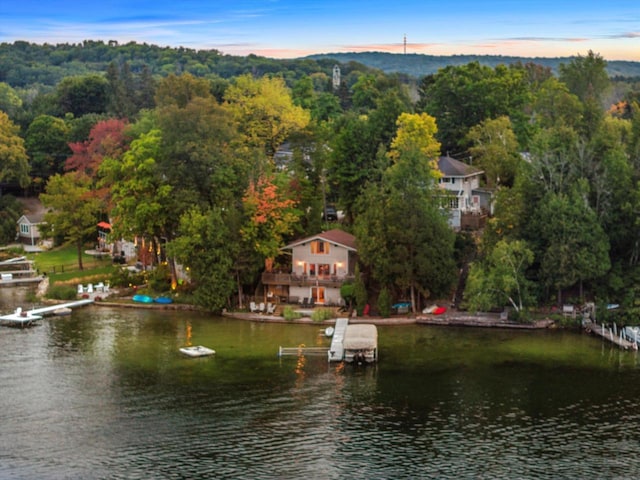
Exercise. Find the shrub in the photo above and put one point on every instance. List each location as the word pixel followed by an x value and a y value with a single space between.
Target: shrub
pixel 290 314
pixel 321 314
pixel 62 292
pixel 159 279
pixel 122 277
pixel 347 293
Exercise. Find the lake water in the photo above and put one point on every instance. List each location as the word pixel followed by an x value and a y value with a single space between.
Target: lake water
pixel 105 394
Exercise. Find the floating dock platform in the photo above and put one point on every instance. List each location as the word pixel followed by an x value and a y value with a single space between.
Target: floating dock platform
pixel 26 318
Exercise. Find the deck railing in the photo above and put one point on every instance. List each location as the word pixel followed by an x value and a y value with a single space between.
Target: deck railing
pixel 269 278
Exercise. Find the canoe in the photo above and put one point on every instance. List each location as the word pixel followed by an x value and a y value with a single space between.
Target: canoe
pixel 197 351
pixel 142 298
pixel 163 300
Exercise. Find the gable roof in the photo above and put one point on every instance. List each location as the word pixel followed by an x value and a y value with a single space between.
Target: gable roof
pixel 450 167
pixel 335 236
pixel 32 218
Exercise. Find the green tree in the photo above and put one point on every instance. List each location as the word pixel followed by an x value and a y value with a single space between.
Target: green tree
pixel 201 156
pixel 500 278
pixel 47 144
pixel 495 150
pixel 10 102
pixel 10 211
pixel 14 162
pixel 265 111
pixel 142 199
pixel 83 94
pixel 575 247
pixel 403 238
pixel 463 96
pixel 73 211
pixel 205 246
pixel 586 76
pixel 179 90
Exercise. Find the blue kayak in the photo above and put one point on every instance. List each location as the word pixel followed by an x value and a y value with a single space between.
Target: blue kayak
pixel 163 300
pixel 142 298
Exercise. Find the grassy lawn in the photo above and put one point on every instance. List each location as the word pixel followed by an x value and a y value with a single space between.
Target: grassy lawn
pixel 61 265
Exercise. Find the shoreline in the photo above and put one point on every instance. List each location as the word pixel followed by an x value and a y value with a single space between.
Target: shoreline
pixel 456 320
pixel 451 318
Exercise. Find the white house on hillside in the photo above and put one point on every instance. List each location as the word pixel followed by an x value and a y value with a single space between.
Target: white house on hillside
pixel 320 264
pixel 467 203
pixel 28 232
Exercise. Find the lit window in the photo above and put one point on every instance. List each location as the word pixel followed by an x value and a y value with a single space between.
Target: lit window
pixel 318 247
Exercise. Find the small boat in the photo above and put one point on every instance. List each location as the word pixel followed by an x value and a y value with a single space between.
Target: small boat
pixel 329 331
pixel 142 298
pixel 163 300
pixel 197 351
pixel 62 311
pixel 435 310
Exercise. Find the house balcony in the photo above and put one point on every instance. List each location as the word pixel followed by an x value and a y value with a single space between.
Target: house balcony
pixel 291 279
pixel 473 220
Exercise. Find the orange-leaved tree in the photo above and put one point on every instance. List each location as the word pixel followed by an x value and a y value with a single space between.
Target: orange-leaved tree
pixel 271 216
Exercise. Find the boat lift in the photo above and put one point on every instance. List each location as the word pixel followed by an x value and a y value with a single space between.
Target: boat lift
pixel 364 348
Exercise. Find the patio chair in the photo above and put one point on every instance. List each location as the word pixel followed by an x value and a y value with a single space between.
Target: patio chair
pixel 261 307
pixel 253 307
pixel 80 289
pixel 271 308
pixel 305 302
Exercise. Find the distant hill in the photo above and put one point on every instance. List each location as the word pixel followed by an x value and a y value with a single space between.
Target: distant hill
pixel 418 65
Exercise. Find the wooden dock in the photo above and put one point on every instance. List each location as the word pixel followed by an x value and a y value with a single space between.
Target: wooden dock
pixel 18 271
pixel 336 351
pixel 27 318
pixel 610 335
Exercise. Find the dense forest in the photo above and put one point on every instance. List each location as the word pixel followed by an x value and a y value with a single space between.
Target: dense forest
pixel 419 65
pixel 180 147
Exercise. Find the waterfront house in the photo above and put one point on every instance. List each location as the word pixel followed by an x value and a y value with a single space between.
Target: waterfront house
pixel 320 264
pixel 28 231
pixel 468 204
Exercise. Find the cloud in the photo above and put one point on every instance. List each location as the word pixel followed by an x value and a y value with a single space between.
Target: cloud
pixel 542 39
pixel 387 47
pixel 624 35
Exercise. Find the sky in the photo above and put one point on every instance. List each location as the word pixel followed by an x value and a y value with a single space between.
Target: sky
pixel 296 28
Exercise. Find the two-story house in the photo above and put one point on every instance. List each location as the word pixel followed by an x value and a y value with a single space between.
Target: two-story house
pixel 320 264
pixel 467 203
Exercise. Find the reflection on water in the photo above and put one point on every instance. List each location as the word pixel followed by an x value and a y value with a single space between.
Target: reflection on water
pixel 104 393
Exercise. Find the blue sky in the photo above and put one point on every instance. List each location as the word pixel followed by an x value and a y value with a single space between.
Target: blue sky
pixel 294 28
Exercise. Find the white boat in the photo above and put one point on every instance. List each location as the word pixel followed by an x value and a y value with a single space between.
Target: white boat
pixel 197 351
pixel 62 311
pixel 329 331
